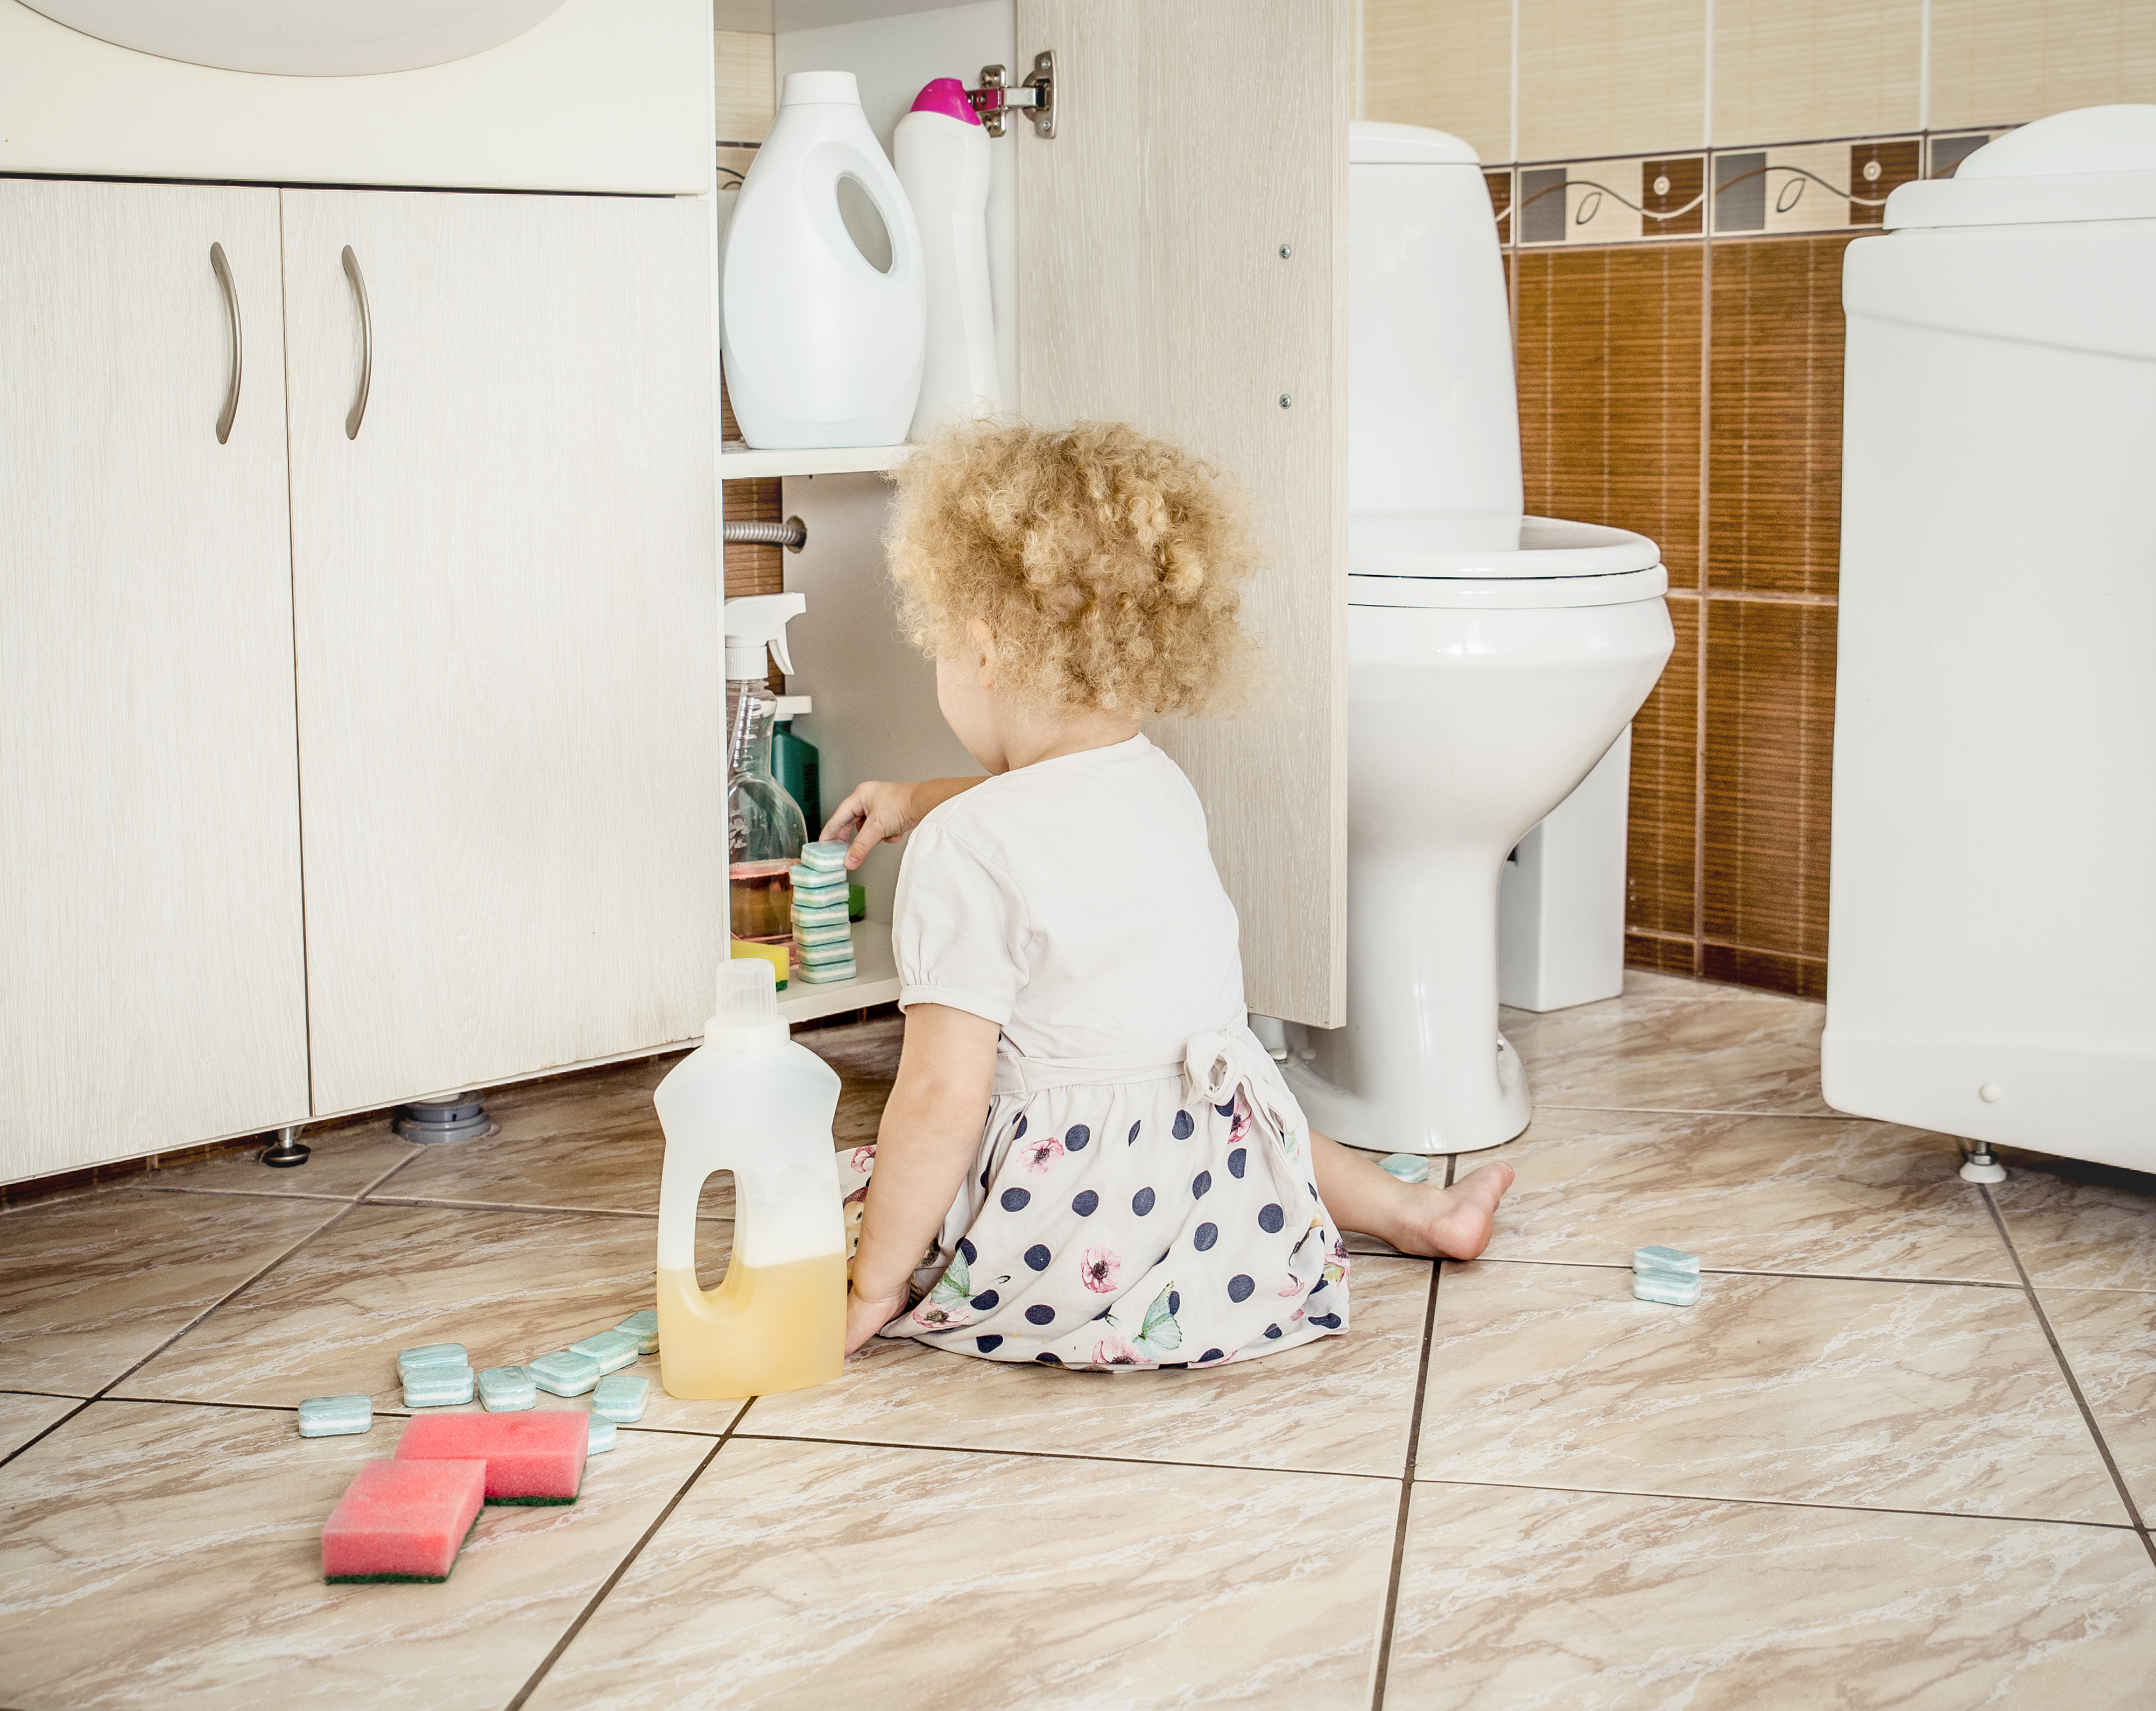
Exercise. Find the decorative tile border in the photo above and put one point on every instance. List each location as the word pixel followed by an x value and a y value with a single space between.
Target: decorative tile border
pixel 1761 192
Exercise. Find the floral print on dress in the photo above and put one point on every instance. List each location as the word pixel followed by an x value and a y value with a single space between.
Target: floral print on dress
pixel 1197 1241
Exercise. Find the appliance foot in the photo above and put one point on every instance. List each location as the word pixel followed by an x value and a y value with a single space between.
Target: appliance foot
pixel 450 1117
pixel 1981 1167
pixel 287 1151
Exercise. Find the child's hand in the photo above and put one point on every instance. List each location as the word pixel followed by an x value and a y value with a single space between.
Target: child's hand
pixel 865 1319
pixel 876 812
pixel 880 812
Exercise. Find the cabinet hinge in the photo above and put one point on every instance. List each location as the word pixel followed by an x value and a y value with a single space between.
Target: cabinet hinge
pixel 995 100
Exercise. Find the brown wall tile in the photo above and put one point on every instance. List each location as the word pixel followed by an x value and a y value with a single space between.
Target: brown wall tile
pixel 1774 418
pixel 1675 191
pixel 1770 760
pixel 1660 843
pixel 1665 956
pixel 1609 369
pixel 1875 171
pixel 1803 977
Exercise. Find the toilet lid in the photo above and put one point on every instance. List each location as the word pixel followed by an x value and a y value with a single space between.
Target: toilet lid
pixel 1549 546
pixel 1510 593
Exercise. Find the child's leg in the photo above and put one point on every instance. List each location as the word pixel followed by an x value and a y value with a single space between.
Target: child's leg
pixel 1420 1218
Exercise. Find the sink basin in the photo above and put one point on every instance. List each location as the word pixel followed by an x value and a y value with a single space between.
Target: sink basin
pixel 303 38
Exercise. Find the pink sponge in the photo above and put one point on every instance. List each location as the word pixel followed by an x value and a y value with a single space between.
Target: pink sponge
pixel 531 1458
pixel 402 1520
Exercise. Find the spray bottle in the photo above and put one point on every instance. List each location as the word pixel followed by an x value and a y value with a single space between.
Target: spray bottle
pixel 750 1101
pixel 764 827
pixel 942 154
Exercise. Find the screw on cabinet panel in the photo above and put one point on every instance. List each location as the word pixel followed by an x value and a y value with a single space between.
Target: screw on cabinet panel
pixel 1285 401
pixel 1286 250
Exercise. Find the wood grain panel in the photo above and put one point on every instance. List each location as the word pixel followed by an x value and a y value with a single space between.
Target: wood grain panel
pixel 151 986
pixel 1769 774
pixel 1609 378
pixel 509 683
pixel 1661 844
pixel 1151 289
pixel 1774 435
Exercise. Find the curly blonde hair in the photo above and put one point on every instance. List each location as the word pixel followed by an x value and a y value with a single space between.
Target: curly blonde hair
pixel 1107 565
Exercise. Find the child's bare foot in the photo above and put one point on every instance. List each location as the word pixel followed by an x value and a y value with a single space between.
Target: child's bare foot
pixel 1454 1222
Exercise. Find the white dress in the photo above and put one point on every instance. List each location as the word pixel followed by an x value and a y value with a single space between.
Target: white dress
pixel 1143 1195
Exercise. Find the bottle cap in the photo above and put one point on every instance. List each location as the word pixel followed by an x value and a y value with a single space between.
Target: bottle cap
pixel 808 88
pixel 748 1015
pixel 946 95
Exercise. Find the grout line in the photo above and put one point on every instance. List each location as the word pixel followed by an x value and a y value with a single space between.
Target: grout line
pixel 1385 1658
pixel 1781 1502
pixel 1726 1271
pixel 106 1388
pixel 409 1158
pixel 326 1224
pixel 1703 580
pixel 39 1438
pixel 2066 1370
pixel 1709 1111
pixel 416 1203
pixel 623 1566
pixel 1096 1457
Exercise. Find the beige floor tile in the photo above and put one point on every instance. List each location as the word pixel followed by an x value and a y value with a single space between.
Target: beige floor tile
pixel 1548 1598
pixel 1676 1045
pixel 23 1417
pixel 1342 1405
pixel 2079 1226
pixel 832 1574
pixel 2110 1338
pixel 89 1286
pixel 1879 1394
pixel 171 1557
pixel 509 1286
pixel 344 1161
pixel 1746 1194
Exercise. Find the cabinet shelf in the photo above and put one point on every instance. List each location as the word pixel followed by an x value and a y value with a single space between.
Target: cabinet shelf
pixel 875 980
pixel 739 462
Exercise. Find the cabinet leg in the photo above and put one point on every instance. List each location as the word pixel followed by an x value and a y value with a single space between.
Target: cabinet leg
pixel 287 1152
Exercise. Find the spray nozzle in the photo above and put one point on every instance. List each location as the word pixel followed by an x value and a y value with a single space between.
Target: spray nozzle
pixel 755 622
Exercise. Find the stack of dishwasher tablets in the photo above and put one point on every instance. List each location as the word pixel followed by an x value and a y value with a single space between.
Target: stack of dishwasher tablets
pixel 823 941
pixel 1665 1274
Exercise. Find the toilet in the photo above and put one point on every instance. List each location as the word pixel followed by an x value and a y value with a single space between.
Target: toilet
pixel 1493 658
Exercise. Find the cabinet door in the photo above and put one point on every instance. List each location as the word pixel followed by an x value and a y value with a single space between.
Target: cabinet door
pixel 506 592
pixel 151 978
pixel 1193 142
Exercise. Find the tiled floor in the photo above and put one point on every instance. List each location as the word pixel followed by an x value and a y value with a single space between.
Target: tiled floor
pixel 1897 1456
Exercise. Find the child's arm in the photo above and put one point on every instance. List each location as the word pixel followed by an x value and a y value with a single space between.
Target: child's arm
pixel 878 812
pixel 930 1136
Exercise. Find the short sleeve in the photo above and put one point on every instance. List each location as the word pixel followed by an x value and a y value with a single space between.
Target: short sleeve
pixel 960 932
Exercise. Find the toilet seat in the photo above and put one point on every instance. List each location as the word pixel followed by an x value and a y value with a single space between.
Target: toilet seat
pixel 1510 593
pixel 1547 546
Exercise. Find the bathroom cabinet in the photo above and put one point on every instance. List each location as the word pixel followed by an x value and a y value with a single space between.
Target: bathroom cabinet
pixel 152 974
pixel 509 699
pixel 461 693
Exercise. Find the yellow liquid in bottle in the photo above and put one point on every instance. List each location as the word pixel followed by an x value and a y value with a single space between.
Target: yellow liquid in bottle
pixel 764 1330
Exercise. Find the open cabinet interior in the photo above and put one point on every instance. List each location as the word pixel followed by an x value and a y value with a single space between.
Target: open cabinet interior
pixel 1168 257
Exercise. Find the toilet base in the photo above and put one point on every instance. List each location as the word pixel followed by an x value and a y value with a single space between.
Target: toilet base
pixel 1499 1113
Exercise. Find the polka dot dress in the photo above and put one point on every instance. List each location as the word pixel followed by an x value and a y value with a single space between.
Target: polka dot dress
pixel 1166 1221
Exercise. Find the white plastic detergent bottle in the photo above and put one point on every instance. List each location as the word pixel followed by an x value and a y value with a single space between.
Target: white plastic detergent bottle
pixel 822 300
pixel 750 1101
pixel 942 154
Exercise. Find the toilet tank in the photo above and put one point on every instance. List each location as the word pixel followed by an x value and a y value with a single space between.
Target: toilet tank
pixel 1992 947
pixel 1433 420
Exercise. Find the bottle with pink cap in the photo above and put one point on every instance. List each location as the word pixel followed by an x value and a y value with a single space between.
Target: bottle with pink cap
pixel 942 153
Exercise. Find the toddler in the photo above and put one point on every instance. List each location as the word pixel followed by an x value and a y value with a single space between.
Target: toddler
pixel 1088 1160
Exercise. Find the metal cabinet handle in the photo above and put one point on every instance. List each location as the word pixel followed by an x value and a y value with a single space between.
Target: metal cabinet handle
pixel 357 413
pixel 222 270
